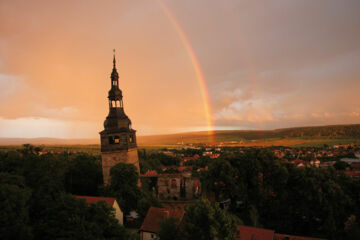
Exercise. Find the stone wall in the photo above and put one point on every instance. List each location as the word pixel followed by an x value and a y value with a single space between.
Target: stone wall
pixel 177 186
pixel 110 159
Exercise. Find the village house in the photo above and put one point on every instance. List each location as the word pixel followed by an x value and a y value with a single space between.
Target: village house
pixel 327 164
pixel 168 153
pixel 352 174
pixel 207 153
pixel 186 159
pixel 315 162
pixel 214 155
pixel 278 236
pixel 355 166
pixel 300 163
pixel 253 233
pixel 150 228
pixel 119 215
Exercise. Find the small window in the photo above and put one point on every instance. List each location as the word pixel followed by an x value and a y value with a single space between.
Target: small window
pixel 130 139
pixel 114 140
pixel 173 183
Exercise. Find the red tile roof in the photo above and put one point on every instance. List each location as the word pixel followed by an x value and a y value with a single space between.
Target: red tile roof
pixel 352 173
pixel 149 173
pixel 155 215
pixel 278 236
pixel 90 200
pixel 252 233
pixel 355 165
pixel 185 168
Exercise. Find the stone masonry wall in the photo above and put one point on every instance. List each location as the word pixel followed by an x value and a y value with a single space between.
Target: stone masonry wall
pixel 110 159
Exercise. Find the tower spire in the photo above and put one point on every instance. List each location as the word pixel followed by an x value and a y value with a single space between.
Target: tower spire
pixel 114 73
pixel 114 61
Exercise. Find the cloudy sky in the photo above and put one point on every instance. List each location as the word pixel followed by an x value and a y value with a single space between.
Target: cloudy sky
pixel 267 64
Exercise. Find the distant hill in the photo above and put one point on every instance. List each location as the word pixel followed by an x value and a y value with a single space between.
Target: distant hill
pixel 47 141
pixel 331 132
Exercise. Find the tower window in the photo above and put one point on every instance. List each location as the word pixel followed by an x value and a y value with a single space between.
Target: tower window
pixel 173 183
pixel 114 140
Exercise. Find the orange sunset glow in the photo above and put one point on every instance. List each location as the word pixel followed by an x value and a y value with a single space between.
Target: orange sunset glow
pixel 183 65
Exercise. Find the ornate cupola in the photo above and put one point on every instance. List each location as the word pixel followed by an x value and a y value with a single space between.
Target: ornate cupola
pixel 118 139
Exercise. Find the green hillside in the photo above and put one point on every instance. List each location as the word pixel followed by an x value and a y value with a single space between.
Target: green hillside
pixel 321 132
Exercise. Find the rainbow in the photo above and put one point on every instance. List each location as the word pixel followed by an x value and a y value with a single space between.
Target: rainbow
pixel 199 75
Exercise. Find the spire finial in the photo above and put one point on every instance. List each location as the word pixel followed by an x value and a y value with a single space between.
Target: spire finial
pixel 114 61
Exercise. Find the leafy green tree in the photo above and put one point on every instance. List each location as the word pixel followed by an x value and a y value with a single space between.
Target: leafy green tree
pixel 340 165
pixel 169 229
pixel 164 159
pixel 70 218
pixel 124 186
pixel 352 228
pixel 220 179
pixel 14 217
pixel 102 223
pixel 83 175
pixel 145 201
pixel 203 221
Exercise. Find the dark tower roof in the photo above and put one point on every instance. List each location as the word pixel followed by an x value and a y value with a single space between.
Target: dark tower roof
pixel 114 92
pixel 117 120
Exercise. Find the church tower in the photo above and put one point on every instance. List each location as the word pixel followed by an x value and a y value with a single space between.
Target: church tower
pixel 118 139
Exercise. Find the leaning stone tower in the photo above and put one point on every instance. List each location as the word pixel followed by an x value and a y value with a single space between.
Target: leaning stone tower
pixel 118 139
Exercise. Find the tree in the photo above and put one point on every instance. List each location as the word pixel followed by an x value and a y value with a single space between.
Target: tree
pixel 220 179
pixel 164 159
pixel 203 221
pixel 34 204
pixel 352 228
pixel 103 224
pixel 169 229
pixel 340 165
pixel 70 218
pixel 14 217
pixel 83 175
pixel 124 186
